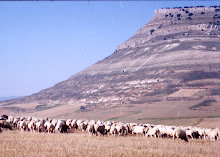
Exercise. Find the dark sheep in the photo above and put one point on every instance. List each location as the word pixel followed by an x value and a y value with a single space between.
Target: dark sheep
pixel 5 124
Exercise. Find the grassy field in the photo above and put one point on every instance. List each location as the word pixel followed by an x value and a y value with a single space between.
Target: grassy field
pixel 22 144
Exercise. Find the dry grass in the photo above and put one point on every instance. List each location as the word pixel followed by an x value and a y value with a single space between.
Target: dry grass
pixel 16 143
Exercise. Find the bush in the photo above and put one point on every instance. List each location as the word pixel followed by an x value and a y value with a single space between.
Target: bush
pixel 178 15
pixel 190 14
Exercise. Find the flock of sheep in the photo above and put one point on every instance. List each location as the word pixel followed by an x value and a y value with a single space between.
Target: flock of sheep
pixel 93 127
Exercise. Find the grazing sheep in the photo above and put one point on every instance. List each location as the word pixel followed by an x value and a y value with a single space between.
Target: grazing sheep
pixel 192 134
pixel 74 124
pixel 82 126
pixel 179 133
pixel 22 125
pixel 201 132
pixel 213 136
pixel 61 126
pixel 139 130
pixel 121 130
pixel 107 128
pixel 11 119
pixel 68 122
pixel 113 130
pixel 153 132
pixel 5 124
pixel 49 127
pixel 99 129
pixel 39 126
pixel 90 129
pixel 54 122
pixel 31 126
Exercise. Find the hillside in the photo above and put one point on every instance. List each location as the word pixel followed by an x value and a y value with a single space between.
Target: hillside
pixel 169 69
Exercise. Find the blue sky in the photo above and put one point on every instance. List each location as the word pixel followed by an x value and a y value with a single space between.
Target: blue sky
pixel 43 43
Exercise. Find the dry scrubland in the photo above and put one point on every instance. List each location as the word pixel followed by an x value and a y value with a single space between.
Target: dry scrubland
pixel 16 143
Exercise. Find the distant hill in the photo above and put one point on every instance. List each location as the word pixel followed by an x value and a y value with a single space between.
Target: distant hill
pixel 9 98
pixel 169 69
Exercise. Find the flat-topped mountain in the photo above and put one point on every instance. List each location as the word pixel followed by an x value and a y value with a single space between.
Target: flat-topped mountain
pixel 172 61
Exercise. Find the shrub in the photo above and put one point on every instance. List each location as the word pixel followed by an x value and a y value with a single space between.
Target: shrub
pixel 178 15
pixel 151 31
pixel 190 14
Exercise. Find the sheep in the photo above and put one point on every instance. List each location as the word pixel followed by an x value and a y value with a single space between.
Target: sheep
pixel 201 132
pixel 61 126
pixel 82 126
pixel 113 130
pixel 15 122
pixel 179 133
pixel 5 124
pixel 22 125
pixel 74 124
pixel 54 122
pixel 78 122
pixel 213 136
pixel 49 127
pixel 139 130
pixel 107 128
pixel 31 126
pixel 90 129
pixel 99 129
pixel 153 132
pixel 207 133
pixel 11 119
pixel 121 130
pixel 68 123
pixel 192 134
pixel 39 126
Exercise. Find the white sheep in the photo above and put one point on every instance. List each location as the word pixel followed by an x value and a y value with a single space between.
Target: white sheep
pixel 139 130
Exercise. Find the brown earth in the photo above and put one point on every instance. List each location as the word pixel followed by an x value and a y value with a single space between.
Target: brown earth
pixel 16 143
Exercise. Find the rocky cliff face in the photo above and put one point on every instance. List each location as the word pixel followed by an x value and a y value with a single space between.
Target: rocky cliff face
pixel 176 56
pixel 173 23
